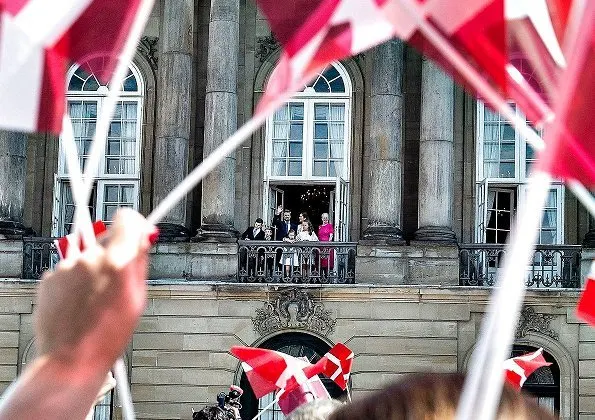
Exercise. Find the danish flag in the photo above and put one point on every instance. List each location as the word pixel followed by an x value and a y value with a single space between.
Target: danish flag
pixel 337 364
pixel 518 369
pixel 586 304
pixel 39 39
pixel 270 370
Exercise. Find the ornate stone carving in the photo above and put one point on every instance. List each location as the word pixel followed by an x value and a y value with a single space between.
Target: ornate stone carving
pixel 293 309
pixel 148 49
pixel 265 45
pixel 532 321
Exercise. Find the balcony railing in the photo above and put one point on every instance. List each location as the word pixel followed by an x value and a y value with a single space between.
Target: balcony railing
pixel 39 254
pixel 299 262
pixel 552 266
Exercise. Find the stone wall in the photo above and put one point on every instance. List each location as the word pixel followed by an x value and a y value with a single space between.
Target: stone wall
pixel 179 354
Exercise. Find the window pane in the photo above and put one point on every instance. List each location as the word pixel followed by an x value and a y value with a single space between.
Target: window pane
pixel 337 131
pixel 282 114
pixel 296 111
pixel 295 149
pixel 507 170
pixel 320 168
pixel 279 167
pixel 113 166
pixel 320 150
pixel 127 194
pixel 337 149
pixel 337 85
pixel 280 131
pixel 115 129
pixel 111 194
pixel 296 132
pixel 507 132
pixel 109 212
pixel 320 131
pixel 279 149
pixel 549 219
pixel 91 84
pixel 130 84
pixel 549 237
pixel 295 168
pixel 321 112
pixel 337 112
pixel 507 151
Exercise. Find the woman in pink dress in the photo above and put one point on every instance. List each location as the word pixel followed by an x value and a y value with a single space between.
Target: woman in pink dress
pixel 325 234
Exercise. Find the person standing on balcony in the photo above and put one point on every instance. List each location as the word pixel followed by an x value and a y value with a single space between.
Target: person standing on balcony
pixel 325 234
pixel 283 226
pixel 302 218
pixel 309 255
pixel 254 233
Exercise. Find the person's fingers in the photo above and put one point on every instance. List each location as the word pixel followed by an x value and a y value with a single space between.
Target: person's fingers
pixel 129 236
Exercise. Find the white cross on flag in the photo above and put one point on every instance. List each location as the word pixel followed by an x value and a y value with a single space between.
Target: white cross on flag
pixel 39 39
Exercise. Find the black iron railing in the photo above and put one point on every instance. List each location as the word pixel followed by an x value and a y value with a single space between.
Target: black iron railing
pixel 552 266
pixel 39 254
pixel 299 262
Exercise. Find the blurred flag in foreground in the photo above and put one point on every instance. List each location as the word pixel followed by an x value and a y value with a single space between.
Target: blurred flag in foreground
pixel 518 369
pixel 40 39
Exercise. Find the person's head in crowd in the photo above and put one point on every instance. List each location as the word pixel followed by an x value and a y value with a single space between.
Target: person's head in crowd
pixel 212 413
pixel 433 396
pixel 291 235
pixel 268 233
pixel 324 217
pixel 303 216
pixel 315 410
pixel 258 223
pixel 287 215
pixel 307 227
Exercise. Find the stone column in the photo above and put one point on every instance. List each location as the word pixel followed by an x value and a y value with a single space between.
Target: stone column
pixel 13 167
pixel 221 104
pixel 386 104
pixel 436 149
pixel 173 106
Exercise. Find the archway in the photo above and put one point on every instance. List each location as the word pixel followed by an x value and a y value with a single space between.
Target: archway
pixel 296 344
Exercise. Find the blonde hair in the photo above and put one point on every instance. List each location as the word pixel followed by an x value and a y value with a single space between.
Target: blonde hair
pixel 433 396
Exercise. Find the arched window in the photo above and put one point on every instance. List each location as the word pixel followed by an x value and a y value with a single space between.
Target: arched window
pixel 118 177
pixel 544 383
pixel 296 345
pixel 307 145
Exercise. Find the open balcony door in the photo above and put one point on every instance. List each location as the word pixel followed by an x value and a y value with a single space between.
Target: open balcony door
pixel 273 197
pixel 341 211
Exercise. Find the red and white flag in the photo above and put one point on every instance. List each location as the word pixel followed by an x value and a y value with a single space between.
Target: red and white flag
pixel 585 309
pixel 336 364
pixel 39 39
pixel 270 370
pixel 314 33
pixel 518 369
pixel 66 243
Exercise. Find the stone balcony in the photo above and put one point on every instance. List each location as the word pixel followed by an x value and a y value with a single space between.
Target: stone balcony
pixel 364 262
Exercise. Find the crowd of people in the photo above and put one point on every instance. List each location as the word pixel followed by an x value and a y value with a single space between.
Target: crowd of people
pixel 290 258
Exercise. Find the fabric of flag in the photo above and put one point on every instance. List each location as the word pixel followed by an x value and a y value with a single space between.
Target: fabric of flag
pixel 570 152
pixel 270 370
pixel 518 369
pixel 337 363
pixel 312 390
pixel 64 244
pixel 313 33
pixel 40 39
pixel 585 309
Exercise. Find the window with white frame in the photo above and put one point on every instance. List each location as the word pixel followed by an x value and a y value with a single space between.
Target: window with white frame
pixel 308 138
pixel 118 177
pixel 503 166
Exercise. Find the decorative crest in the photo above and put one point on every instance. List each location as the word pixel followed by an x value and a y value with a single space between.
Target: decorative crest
pixel 265 45
pixel 293 309
pixel 148 49
pixel 532 321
